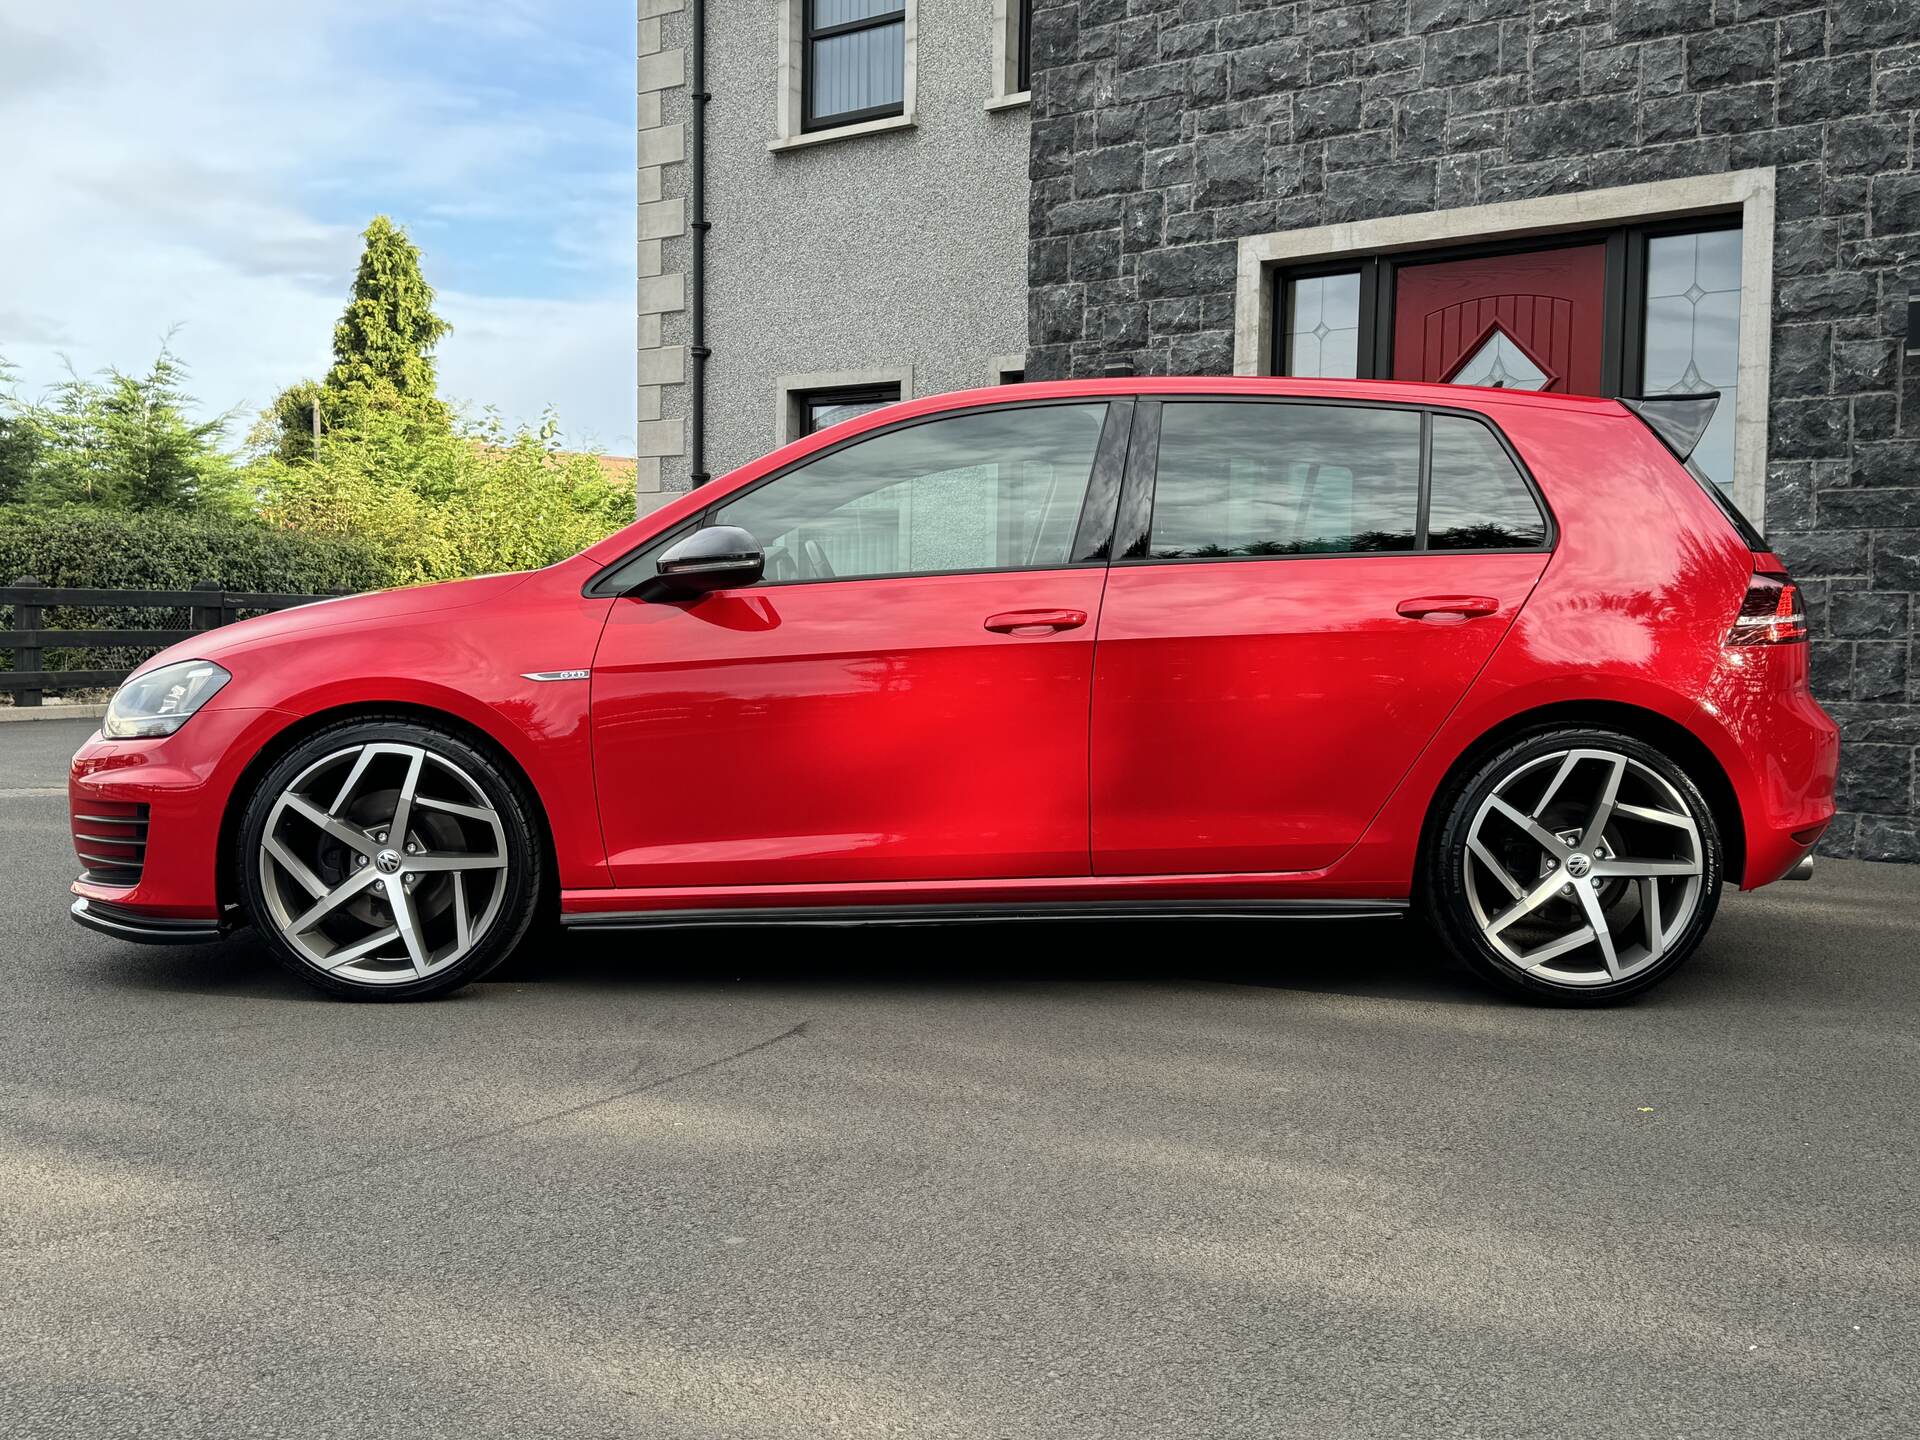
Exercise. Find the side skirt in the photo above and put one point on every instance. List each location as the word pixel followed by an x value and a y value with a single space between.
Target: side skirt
pixel 853 915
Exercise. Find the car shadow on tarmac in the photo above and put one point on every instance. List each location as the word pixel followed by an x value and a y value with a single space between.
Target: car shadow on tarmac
pixel 1383 958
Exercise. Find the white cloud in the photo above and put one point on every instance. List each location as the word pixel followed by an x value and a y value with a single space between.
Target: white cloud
pixel 209 164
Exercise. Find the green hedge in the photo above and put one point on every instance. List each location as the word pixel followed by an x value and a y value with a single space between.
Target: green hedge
pixel 80 547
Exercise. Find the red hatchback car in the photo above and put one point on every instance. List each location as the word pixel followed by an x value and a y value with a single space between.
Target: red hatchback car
pixel 1243 647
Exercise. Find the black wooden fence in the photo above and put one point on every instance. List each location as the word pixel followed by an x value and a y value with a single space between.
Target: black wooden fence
pixel 204 607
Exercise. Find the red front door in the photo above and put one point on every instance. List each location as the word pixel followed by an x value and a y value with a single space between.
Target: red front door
pixel 854 731
pixel 1520 322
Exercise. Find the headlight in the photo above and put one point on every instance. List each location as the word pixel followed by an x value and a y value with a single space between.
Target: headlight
pixel 161 701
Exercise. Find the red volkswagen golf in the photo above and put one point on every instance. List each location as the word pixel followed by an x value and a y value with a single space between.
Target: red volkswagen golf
pixel 1251 648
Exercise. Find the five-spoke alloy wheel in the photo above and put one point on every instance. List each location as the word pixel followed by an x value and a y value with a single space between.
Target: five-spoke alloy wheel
pixel 388 860
pixel 1578 865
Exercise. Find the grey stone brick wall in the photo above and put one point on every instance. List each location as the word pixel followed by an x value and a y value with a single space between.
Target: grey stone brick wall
pixel 1164 130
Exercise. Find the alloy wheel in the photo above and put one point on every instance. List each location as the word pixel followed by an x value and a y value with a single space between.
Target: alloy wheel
pixel 383 863
pixel 1583 867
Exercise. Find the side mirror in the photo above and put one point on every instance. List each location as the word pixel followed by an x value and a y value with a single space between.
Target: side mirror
pixel 720 557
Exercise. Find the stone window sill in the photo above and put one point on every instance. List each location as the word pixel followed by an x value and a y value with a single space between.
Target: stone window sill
pixel 1011 102
pixel 842 132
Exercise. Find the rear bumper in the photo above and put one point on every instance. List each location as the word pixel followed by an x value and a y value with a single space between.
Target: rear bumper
pixel 126 924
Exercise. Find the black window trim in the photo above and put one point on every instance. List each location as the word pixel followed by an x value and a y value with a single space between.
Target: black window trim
pixel 1092 535
pixel 809 33
pixel 1134 523
pixel 1623 296
pixel 1023 40
pixel 884 392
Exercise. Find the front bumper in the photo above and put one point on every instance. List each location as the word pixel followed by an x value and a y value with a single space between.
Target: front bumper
pixel 186 781
pixel 126 924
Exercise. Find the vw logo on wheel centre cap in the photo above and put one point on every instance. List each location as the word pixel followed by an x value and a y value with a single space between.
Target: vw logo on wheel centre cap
pixel 388 861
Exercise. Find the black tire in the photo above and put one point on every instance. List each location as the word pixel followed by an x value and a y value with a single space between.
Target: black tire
pixel 523 882
pixel 1443 898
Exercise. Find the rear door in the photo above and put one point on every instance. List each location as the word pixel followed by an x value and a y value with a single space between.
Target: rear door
pixel 1305 590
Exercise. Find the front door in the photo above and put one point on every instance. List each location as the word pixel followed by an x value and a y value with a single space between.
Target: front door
pixel 1531 321
pixel 1292 639
pixel 903 698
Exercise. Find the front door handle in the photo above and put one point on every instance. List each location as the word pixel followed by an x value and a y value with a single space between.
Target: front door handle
pixel 1035 622
pixel 1462 605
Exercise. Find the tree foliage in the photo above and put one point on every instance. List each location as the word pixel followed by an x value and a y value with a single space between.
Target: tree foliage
pixel 470 500
pixel 19 441
pixel 123 442
pixel 383 344
pixel 391 478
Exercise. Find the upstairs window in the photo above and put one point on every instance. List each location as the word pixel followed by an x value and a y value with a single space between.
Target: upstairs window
pixel 855 61
pixel 1023 54
pixel 821 408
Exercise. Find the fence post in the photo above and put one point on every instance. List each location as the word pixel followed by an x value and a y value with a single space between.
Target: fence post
pixel 208 616
pixel 27 657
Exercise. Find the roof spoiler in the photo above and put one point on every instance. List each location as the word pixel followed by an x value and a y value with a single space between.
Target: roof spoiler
pixel 1678 420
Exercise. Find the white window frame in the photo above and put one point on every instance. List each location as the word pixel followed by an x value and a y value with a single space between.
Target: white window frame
pixel 789 81
pixel 790 389
pixel 1750 193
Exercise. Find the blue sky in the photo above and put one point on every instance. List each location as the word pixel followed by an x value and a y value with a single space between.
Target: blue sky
pixel 209 164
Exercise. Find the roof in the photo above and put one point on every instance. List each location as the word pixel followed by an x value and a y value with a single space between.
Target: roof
pixel 1405 391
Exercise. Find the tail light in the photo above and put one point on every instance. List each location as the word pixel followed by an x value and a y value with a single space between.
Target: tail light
pixel 1771 614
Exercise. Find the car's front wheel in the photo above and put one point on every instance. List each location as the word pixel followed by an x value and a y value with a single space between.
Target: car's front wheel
pixel 389 860
pixel 1579 866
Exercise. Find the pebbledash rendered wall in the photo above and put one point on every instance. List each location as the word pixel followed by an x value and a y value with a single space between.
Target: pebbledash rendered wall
pixel 894 251
pixel 1164 131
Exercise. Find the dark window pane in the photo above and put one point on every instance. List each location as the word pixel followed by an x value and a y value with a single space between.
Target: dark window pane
pixel 1479 501
pixel 828 13
pixel 1254 479
pixel 1025 41
pixel 992 490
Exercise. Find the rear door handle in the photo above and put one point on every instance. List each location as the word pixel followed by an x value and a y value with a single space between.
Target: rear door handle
pixel 1463 605
pixel 1035 622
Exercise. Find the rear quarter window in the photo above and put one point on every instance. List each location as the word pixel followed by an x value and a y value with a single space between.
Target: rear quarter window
pixel 1478 499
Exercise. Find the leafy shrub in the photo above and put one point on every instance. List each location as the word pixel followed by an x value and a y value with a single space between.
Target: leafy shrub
pixel 87 547
pixel 442 505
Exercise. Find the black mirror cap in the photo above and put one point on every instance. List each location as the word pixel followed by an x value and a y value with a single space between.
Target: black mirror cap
pixel 720 557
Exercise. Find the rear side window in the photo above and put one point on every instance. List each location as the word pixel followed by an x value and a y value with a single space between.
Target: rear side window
pixel 1478 499
pixel 1250 479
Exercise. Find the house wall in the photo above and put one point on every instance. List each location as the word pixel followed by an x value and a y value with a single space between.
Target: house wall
pixel 1167 131
pixel 899 249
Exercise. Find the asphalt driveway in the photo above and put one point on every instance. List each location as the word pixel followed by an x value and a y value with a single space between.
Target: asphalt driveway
pixel 1115 1181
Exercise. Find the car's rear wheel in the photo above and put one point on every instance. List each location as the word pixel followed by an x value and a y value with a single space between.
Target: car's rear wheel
pixel 389 860
pixel 1579 866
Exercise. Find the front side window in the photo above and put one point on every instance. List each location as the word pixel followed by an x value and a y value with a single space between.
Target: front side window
pixel 856 60
pixel 1477 499
pixel 1250 479
pixel 990 490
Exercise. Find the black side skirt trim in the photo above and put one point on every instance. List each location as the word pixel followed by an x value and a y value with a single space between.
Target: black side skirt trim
pixel 851 915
